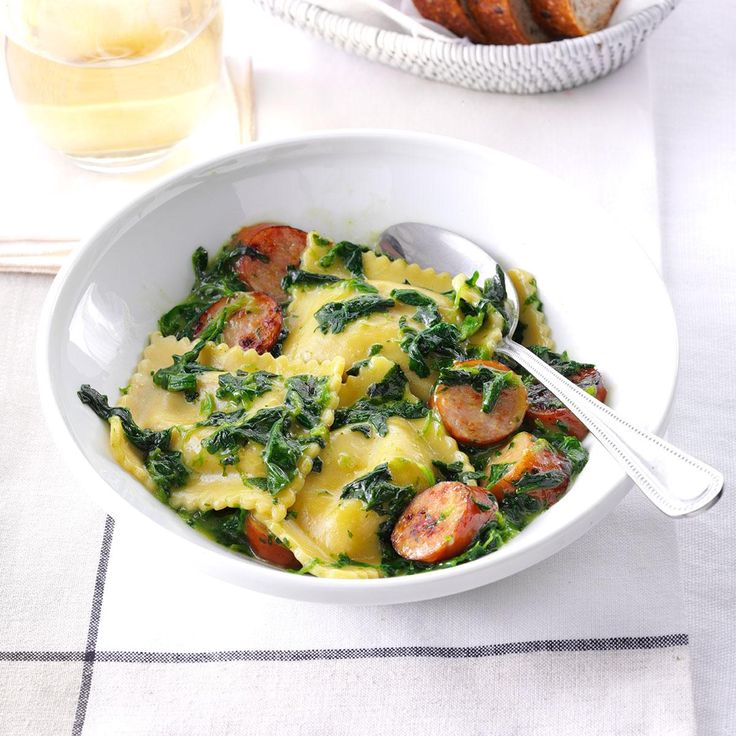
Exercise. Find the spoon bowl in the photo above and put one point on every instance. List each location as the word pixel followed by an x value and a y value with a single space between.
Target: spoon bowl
pixel 429 245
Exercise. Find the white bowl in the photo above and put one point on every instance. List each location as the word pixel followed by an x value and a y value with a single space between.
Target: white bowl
pixel 604 299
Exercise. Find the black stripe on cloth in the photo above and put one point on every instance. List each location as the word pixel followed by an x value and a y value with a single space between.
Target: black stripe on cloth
pixel 94 627
pixel 619 643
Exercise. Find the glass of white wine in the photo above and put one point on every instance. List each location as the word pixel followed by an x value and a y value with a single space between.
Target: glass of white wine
pixel 113 84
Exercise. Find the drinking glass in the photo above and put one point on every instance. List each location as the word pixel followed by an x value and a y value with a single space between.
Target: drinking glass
pixel 113 84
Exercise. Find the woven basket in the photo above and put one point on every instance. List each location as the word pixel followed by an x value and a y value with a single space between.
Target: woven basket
pixel 548 67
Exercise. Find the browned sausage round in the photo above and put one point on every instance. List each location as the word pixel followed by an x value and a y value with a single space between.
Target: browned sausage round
pixel 257 325
pixel 281 245
pixel 264 545
pixel 545 407
pixel 461 413
pixel 534 467
pixel 442 521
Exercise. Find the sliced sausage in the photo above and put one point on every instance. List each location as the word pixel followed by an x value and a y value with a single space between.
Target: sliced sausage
pixel 534 468
pixel 546 408
pixel 460 408
pixel 263 544
pixel 257 325
pixel 442 521
pixel 280 246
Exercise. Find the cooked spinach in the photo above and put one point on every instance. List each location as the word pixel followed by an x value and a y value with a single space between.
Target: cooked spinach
pixel 359 365
pixel 390 388
pixel 561 362
pixel 519 509
pixel 456 471
pixel 306 398
pixel 534 479
pixel 413 298
pixel 493 296
pixel 236 429
pixel 496 472
pixel 350 254
pixel 379 493
pixel 428 312
pixel 281 456
pixel 335 316
pixel 244 387
pixel 164 465
pixel 166 469
pixel 307 279
pixel 365 412
pixel 144 439
pixel 384 399
pixel 432 348
pixel 569 446
pixel 225 526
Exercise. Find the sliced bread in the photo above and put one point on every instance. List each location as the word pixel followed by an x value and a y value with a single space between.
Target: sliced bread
pixel 573 17
pixel 452 15
pixel 507 21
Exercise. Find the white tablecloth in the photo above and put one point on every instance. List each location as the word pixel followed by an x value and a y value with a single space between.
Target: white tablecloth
pixel 160 652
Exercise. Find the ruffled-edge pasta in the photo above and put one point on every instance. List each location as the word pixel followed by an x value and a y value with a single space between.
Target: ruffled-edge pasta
pixel 211 485
pixel 532 319
pixel 384 329
pixel 376 267
pixel 336 537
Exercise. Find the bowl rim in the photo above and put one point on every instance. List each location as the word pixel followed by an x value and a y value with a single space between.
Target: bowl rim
pixel 263 577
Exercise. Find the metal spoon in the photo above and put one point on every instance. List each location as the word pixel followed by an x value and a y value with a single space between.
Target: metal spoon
pixel 674 482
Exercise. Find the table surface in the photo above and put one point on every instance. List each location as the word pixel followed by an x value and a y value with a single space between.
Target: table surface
pixel 692 66
pixel 692 62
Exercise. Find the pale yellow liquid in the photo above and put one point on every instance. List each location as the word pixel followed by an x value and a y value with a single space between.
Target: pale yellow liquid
pixel 137 88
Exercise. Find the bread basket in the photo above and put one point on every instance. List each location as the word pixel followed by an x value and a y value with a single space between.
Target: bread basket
pixel 548 67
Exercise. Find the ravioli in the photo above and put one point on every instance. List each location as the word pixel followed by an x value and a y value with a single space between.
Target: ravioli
pixel 533 325
pixel 328 533
pixel 378 276
pixel 238 481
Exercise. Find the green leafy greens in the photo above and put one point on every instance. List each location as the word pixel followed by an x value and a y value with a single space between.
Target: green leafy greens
pixel 295 277
pixel 244 387
pixel 357 367
pixel 164 465
pixel 383 399
pixel 351 255
pixel 335 316
pixel 273 427
pixel 435 347
pixel 456 471
pixel 378 492
pixel 306 397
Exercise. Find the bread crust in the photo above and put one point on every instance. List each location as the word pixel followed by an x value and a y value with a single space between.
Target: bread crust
pixel 558 17
pixel 499 22
pixel 451 14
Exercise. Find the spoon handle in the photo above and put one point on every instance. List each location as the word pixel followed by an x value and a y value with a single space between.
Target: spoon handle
pixel 675 482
